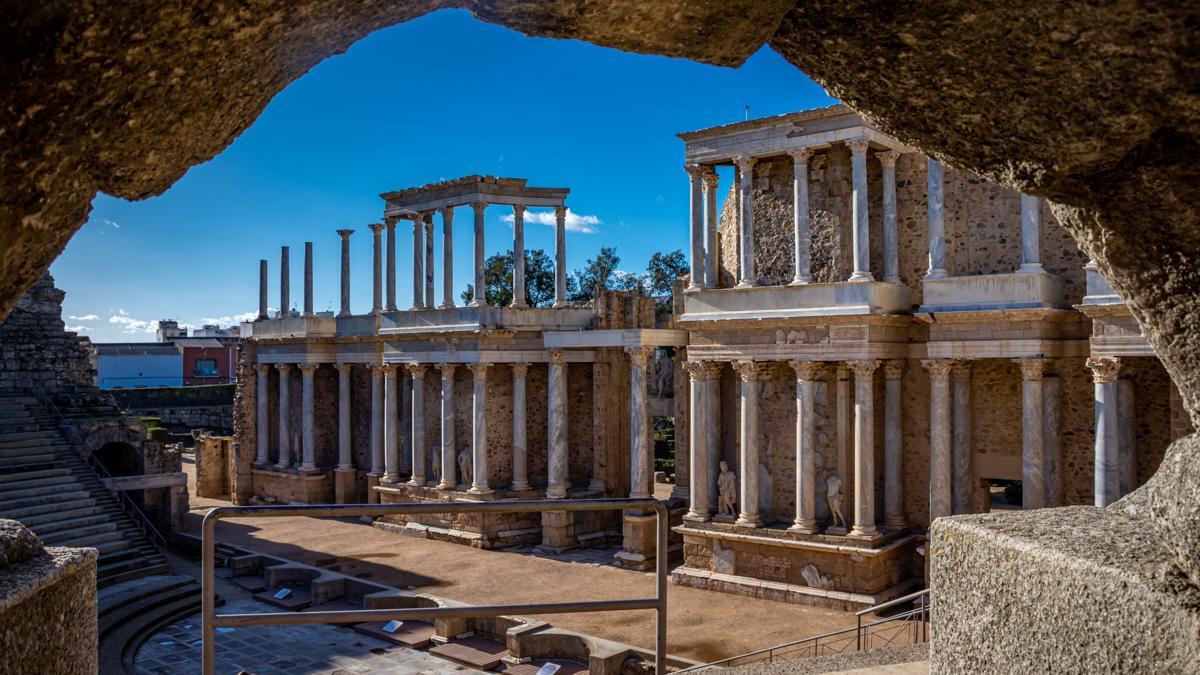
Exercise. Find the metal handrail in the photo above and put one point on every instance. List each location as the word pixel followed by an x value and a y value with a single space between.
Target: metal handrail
pixel 126 502
pixel 211 620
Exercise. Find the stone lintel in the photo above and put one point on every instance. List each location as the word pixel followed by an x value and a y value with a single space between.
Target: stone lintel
pixel 615 338
pixel 883 543
pixel 1005 349
pixel 500 357
pixel 1121 346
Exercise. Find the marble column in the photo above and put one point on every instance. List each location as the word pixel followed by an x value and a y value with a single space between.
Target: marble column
pixel 405 421
pixel 697 443
pixel 285 278
pixel 1031 235
pixel 964 484
pixel 420 452
pixel 748 275
pixel 377 420
pixel 802 239
pixel 447 214
pixel 560 256
pixel 937 223
pixel 891 231
pixel 1127 436
pixel 893 445
pixel 557 464
pixel 263 422
pixel 864 447
pixel 390 225
pixel 345 449
pixel 601 386
pixel 711 240
pixel 345 308
pixel 641 460
pixel 391 425
pixel 262 289
pixel 1033 462
pixel 285 417
pixel 308 424
pixel 940 463
pixel 427 218
pixel 751 375
pixel 449 453
pixel 479 444
pixel 845 422
pixel 519 256
pixel 479 298
pixel 418 263
pixel 807 375
pixel 695 173
pixel 862 232
pixel 520 461
pixel 712 440
pixel 1107 479
pixel 377 268
pixel 308 278
pixel 1052 438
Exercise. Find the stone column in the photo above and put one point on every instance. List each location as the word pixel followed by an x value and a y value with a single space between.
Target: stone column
pixel 940 464
pixel 447 257
pixel 520 461
pixel 263 422
pixel 695 226
pixel 893 445
pixel 345 456
pixel 711 218
pixel 405 425
pixel 1033 463
pixel 377 268
pixel 418 285
pixel 285 274
pixel 309 423
pixel 964 483
pixel 377 420
pixel 1031 235
pixel 391 425
pixel 449 453
pixel 745 167
pixel 864 447
pixel 345 308
pixel 285 417
pixel 519 256
pixel 390 225
pixel 1052 438
pixel 807 375
pixel 862 232
pixel 697 443
pixel 802 238
pixel 751 374
pixel 479 444
pixel 891 231
pixel 641 460
pixel 560 256
pixel 262 289
pixel 308 278
pixel 937 222
pixel 712 433
pixel 420 452
pixel 1127 436
pixel 601 396
pixel 427 217
pixel 480 296
pixel 1107 481
pixel 557 464
pixel 845 461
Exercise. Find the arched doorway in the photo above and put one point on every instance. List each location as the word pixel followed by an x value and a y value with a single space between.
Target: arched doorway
pixel 119 459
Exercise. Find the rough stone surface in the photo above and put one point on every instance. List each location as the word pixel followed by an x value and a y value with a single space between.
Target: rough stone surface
pixel 837 663
pixel 17 543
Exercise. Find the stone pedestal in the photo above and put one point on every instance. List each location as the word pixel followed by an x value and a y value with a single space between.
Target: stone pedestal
pixel 300 487
pixel 558 531
pixel 638 542
pixel 345 486
pixel 372 483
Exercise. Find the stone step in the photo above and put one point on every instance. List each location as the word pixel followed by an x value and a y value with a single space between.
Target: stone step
pixel 35 457
pixel 121 595
pixel 67 505
pixel 64 536
pixel 46 497
pixel 56 516
pixel 16 466
pixel 11 479
pixel 124 629
pixel 7 436
pixel 37 488
pixel 131 564
pixel 77 518
pixel 18 448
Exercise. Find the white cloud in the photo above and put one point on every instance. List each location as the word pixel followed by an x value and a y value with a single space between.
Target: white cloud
pixel 132 326
pixel 122 312
pixel 230 320
pixel 585 224
pixel 86 317
pixel 78 329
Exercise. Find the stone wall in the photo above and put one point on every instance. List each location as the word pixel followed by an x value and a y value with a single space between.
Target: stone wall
pixel 35 347
pixel 214 461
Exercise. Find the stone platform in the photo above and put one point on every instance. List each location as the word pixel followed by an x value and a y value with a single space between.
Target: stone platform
pixel 292 486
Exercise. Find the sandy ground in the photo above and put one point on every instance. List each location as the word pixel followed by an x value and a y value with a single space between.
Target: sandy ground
pixel 702 625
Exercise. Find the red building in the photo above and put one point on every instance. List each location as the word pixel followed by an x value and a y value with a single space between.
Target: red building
pixel 207 360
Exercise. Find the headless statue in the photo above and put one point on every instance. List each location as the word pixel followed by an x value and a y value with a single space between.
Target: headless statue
pixel 727 491
pixel 437 464
pixel 465 466
pixel 834 497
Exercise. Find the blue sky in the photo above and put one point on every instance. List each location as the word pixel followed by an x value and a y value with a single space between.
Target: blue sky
pixel 432 99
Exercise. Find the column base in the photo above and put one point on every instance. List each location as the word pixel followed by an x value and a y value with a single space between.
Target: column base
pixel 749 520
pixel 692 288
pixel 597 485
pixel 417 482
pixel 556 492
pixel 863 533
pixel 345 484
pixel 896 521
pixel 859 277
pixel 480 490
pixel 372 483
pixel 939 273
pixel 693 517
pixel 561 304
pixel 801 281
pixel 745 283
pixel 804 528
pixel 477 303
pixel 447 305
pixel 1031 268
pixel 891 280
pixel 520 487
pixel 519 305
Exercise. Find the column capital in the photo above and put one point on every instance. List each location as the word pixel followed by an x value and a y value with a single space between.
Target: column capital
pixel 427 217
pixel 479 370
pixel 961 369
pixel 446 369
pixel 344 367
pixel 640 356
pixel 345 234
pixel 842 372
pixel 859 145
pixel 893 369
pixel 744 162
pixel 753 371
pixel 711 179
pixel 560 214
pixel 558 356
pixel 694 369
pixel 376 228
pixel 263 368
pixel 284 367
pixel 519 369
pixel 888 158
pixel 479 207
pixel 711 369
pixel 308 368
pixel 389 223
pixel 519 211
pixel 1032 370
pixel 416 370
pixel 863 370
pixel 801 155
pixel 939 369
pixel 695 171
pixel 447 213
pixel 807 371
pixel 1104 368
pixel 418 224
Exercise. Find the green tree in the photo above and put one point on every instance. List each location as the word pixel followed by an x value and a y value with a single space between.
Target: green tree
pixel 662 271
pixel 596 274
pixel 498 280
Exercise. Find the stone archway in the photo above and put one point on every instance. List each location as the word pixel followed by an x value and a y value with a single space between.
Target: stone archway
pixel 120 459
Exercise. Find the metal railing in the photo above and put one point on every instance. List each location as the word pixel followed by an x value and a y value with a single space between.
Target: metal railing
pixel 130 507
pixel 211 620
pixel 908 627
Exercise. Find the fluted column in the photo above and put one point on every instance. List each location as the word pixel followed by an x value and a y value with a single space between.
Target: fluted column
pixel 1107 479
pixel 308 278
pixel 751 374
pixel 345 308
pixel 345 449
pixel 696 225
pixel 1033 463
pixel 391 425
pixel 418 263
pixel 308 424
pixel 285 279
pixel 641 451
pixel 697 443
pixel 449 454
pixel 262 289
pixel 390 225
pixel 712 433
pixel 893 445
pixel 427 217
pixel 1031 235
pixel 964 483
pixel 285 417
pixel 377 421
pixel 862 232
pixel 748 275
pixel 1052 438
pixel 802 237
pixel 1127 436
pixel 807 375
pixel 520 461
pixel 479 444
pixel 711 218
pixel 557 394
pixel 405 449
pixel 376 267
pixel 937 223
pixel 519 256
pixel 480 297
pixel 263 422
pixel 420 452
pixel 447 214
pixel 864 447
pixel 940 463
pixel 560 256
pixel 891 231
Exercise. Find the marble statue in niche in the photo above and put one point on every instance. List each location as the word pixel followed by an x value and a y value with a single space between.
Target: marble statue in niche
pixel 835 497
pixel 727 491
pixel 466 466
